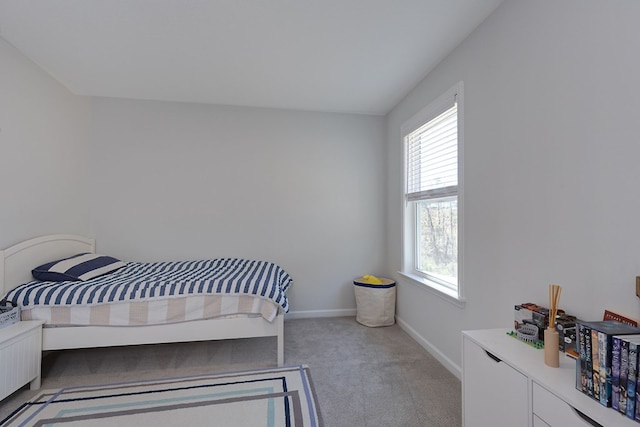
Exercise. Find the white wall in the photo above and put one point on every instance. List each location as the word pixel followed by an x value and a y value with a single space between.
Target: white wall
pixel 43 152
pixel 550 109
pixel 184 181
pixel 551 167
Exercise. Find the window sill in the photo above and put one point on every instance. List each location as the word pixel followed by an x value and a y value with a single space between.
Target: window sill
pixel 435 288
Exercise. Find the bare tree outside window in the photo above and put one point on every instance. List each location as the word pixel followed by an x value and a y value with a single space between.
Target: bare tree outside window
pixel 437 243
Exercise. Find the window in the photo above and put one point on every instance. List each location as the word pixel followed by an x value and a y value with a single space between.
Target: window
pixel 432 226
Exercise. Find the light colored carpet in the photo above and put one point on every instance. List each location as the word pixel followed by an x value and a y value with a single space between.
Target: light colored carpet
pixel 364 377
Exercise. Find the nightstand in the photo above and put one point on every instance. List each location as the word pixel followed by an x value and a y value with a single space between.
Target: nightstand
pixel 20 356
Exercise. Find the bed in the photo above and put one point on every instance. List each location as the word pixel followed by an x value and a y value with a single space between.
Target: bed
pixel 17 262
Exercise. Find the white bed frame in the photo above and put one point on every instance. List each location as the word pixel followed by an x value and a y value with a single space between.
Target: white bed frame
pixel 17 262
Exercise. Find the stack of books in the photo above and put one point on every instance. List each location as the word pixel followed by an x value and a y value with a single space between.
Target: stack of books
pixel 607 364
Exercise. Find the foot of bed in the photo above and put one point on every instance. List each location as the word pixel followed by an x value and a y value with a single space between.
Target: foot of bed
pixel 35 384
pixel 280 339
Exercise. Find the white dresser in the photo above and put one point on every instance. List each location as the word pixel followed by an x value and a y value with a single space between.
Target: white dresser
pixel 506 383
pixel 20 356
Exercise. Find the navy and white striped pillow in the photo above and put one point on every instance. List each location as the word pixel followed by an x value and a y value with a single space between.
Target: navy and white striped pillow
pixel 78 267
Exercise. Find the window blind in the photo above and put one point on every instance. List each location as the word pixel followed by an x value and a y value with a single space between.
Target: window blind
pixel 432 158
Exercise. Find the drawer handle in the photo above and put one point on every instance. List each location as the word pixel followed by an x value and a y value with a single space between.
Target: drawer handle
pixel 586 418
pixel 493 356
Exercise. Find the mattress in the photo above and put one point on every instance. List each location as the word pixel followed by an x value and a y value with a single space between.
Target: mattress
pixel 161 292
pixel 154 312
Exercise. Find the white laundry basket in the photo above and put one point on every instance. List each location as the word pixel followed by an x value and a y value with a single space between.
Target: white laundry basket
pixel 375 303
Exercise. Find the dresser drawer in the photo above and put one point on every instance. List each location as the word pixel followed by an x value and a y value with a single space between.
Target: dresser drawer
pixel 556 412
pixel 493 392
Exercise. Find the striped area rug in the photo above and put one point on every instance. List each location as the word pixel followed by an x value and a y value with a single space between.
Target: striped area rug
pixel 271 398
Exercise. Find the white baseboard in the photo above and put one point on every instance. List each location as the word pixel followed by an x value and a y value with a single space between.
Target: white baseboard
pixel 448 363
pixel 307 314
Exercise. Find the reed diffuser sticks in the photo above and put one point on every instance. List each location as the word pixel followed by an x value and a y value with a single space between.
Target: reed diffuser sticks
pixel 554 300
pixel 551 349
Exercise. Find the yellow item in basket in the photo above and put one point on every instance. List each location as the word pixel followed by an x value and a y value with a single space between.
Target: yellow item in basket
pixel 371 280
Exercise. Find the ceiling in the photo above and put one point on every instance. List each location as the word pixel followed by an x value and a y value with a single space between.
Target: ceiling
pixel 351 56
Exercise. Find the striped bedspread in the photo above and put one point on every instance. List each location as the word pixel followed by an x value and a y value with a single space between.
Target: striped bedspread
pixel 160 292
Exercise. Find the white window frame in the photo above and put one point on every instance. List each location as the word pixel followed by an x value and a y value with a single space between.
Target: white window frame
pixel 409 271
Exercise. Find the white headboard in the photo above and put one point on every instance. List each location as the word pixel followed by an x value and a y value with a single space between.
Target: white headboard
pixel 17 261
